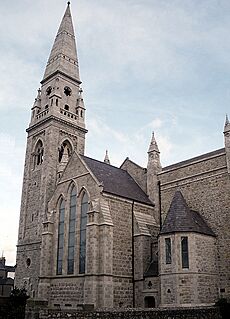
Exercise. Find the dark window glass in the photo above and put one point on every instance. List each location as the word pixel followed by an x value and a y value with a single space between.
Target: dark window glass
pixel 60 237
pixel 168 251
pixel 83 222
pixel 184 252
pixel 39 153
pixel 72 220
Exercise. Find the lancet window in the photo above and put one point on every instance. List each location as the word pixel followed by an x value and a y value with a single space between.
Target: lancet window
pixel 72 227
pixel 168 251
pixel 60 237
pixel 83 222
pixel 39 153
pixel 184 252
pixel 65 145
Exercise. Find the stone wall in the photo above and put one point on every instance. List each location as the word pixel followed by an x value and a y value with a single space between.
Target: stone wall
pixel 205 185
pixel 188 313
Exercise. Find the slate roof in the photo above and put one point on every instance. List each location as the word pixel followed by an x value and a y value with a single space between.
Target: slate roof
pixel 194 159
pixel 181 218
pixel 152 270
pixel 116 181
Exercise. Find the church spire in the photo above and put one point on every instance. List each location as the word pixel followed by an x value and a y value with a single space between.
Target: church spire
pixel 63 56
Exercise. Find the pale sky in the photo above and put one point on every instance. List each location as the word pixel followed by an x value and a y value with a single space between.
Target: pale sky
pixel 145 65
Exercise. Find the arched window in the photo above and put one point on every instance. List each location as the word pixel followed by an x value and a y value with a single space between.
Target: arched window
pixel 83 222
pixel 39 153
pixel 60 237
pixel 66 144
pixel 71 240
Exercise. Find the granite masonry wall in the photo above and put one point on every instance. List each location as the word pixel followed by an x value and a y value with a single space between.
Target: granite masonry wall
pixel 188 313
pixel 205 185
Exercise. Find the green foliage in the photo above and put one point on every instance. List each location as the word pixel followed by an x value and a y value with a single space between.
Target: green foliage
pixel 15 306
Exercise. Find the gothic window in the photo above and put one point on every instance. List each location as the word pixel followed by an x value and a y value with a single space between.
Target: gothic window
pixel 168 251
pixel 67 145
pixel 83 222
pixel 39 153
pixel 60 237
pixel 184 252
pixel 71 240
pixel 56 102
pixel 48 90
pixel 67 91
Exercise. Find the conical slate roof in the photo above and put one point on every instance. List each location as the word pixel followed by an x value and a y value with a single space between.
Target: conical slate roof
pixel 181 218
pixel 63 56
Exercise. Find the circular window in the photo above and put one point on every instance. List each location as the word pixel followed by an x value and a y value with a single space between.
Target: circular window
pixel 67 91
pixel 28 262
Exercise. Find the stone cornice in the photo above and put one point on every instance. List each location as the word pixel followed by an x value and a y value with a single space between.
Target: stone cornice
pixel 54 118
pixel 61 73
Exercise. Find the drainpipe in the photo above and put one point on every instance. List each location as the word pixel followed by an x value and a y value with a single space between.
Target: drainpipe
pixel 133 254
pixel 159 194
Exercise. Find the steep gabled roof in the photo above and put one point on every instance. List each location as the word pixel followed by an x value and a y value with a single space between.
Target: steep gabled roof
pixel 181 218
pixel 116 181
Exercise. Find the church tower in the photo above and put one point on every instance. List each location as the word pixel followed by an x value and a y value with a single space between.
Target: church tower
pixel 56 129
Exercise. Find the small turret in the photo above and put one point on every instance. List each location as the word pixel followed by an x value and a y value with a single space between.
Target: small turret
pixel 227 141
pixel 106 159
pixel 80 109
pixel 37 105
pixel 153 168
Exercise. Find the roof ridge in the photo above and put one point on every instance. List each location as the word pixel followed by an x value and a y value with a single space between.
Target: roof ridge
pixel 192 159
pixel 102 162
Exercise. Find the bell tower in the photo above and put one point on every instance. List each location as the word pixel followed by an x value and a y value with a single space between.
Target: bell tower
pixel 56 129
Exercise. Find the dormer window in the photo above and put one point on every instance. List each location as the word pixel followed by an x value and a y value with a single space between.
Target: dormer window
pixel 48 90
pixel 66 107
pixel 67 91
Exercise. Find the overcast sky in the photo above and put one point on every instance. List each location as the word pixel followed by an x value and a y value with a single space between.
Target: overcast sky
pixel 145 65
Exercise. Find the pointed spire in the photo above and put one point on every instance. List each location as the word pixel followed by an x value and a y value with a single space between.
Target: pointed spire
pixel 80 101
pixel 106 159
pixel 153 147
pixel 227 124
pixel 37 102
pixel 63 56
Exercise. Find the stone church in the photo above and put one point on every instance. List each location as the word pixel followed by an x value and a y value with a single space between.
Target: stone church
pixel 94 234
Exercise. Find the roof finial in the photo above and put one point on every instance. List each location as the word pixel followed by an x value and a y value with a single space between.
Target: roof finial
pixel 68 3
pixel 106 160
pixel 153 145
